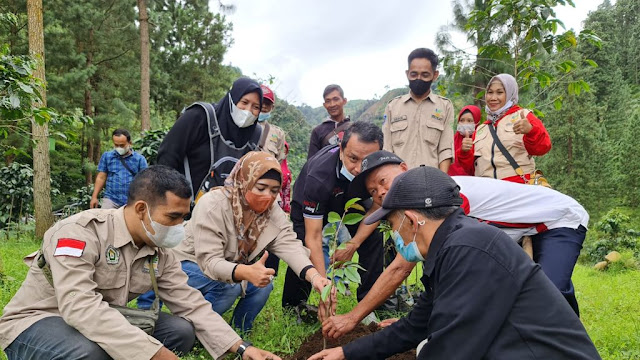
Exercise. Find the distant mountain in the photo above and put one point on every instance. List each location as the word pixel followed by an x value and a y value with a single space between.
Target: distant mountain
pixel 367 110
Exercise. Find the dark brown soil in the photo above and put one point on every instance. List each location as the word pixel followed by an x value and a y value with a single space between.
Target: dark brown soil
pixel 314 344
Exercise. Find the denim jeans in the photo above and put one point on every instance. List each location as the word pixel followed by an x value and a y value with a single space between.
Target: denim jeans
pixel 343 236
pixel 53 338
pixel 222 296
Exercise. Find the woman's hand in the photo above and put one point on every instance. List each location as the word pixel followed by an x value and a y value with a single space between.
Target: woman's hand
pixel 522 125
pixel 257 274
pixel 467 143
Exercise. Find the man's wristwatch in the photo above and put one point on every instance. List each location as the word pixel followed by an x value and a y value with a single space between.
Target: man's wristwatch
pixel 243 347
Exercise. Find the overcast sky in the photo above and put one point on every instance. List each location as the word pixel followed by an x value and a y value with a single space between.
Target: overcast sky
pixel 361 45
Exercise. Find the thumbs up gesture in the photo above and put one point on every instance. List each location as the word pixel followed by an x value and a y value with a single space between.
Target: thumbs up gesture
pixel 522 125
pixel 467 142
pixel 259 275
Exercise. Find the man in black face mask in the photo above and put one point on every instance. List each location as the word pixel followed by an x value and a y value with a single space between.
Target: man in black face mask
pixel 418 126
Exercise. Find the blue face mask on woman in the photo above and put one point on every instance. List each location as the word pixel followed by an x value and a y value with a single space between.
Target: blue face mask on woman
pixel 409 252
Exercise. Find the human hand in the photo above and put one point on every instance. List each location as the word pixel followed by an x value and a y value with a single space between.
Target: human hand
pixel 336 326
pixel 260 275
pixel 345 254
pixel 387 322
pixel 94 203
pixel 328 308
pixel 467 143
pixel 522 125
pixel 320 282
pixel 254 353
pixel 329 354
pixel 164 354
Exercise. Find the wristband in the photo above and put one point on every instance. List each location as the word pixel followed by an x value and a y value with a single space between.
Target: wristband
pixel 313 277
pixel 243 347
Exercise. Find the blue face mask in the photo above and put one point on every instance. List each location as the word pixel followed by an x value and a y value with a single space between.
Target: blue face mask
pixel 346 173
pixel 264 117
pixel 409 252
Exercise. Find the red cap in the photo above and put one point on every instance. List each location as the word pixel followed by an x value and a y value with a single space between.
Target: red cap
pixel 268 94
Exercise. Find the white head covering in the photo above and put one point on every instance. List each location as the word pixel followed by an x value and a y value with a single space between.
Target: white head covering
pixel 511 89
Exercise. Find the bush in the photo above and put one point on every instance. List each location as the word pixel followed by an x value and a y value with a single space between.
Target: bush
pixel 16 193
pixel 149 143
pixel 612 233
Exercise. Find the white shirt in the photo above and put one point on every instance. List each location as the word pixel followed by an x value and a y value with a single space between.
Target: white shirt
pixel 508 202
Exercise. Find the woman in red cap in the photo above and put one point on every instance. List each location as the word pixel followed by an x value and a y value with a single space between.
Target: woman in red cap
pixel 468 119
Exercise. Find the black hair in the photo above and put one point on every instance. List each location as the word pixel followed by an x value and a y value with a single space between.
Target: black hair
pixel 424 53
pixel 437 213
pixel 367 133
pixel 272 174
pixel 331 88
pixel 120 132
pixel 467 111
pixel 152 184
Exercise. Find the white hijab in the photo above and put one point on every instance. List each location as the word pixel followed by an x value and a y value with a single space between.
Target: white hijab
pixel 511 89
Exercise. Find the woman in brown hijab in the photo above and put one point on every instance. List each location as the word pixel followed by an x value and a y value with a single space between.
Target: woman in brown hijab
pixel 230 228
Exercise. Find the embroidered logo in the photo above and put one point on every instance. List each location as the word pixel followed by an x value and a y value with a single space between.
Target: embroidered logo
pixel 112 255
pixel 365 162
pixel 437 114
pixel 427 202
pixel 145 268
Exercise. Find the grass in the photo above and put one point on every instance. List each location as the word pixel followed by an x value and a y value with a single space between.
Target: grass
pixel 609 303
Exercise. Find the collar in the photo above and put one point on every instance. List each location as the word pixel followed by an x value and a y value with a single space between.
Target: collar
pixel 406 97
pixel 439 239
pixel 123 237
pixel 510 111
pixel 330 120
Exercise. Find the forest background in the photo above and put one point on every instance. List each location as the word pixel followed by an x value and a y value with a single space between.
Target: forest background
pixel 102 74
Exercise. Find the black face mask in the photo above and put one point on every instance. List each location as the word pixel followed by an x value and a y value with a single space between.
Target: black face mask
pixel 419 86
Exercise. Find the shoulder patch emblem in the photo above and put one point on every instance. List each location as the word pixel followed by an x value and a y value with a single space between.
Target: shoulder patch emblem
pixel 69 247
pixel 145 268
pixel 112 255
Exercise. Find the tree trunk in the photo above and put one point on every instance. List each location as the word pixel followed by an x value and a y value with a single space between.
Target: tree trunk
pixel 41 166
pixel 88 107
pixel 570 147
pixel 145 112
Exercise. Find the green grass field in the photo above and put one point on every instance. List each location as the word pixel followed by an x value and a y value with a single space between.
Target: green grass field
pixel 609 303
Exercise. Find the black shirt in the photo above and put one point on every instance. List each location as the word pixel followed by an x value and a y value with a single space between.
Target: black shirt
pixel 485 299
pixel 319 189
pixel 319 133
pixel 188 137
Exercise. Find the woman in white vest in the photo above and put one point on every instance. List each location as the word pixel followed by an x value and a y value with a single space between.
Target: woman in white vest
pixel 519 130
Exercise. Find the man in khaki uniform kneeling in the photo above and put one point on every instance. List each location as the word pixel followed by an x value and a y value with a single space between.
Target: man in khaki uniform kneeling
pixel 101 258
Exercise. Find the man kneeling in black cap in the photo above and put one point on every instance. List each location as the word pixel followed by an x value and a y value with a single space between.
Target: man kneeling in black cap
pixel 484 298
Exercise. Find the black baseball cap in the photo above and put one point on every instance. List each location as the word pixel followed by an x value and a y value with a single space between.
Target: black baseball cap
pixel 424 187
pixel 373 161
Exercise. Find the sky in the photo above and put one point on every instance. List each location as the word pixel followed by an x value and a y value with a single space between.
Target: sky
pixel 362 45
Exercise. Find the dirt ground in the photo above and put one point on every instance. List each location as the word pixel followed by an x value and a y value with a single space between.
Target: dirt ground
pixel 314 344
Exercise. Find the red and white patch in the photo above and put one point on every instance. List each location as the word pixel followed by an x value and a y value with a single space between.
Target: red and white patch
pixel 70 247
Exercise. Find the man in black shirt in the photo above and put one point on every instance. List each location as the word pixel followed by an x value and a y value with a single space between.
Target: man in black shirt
pixel 320 188
pixel 484 298
pixel 330 131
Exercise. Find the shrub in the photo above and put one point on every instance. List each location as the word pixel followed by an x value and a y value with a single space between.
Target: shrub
pixel 612 233
pixel 149 143
pixel 16 192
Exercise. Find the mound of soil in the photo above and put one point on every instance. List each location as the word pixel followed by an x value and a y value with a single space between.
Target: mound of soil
pixel 315 343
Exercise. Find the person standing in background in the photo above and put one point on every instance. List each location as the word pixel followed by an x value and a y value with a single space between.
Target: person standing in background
pixel 418 126
pixel 330 131
pixel 116 170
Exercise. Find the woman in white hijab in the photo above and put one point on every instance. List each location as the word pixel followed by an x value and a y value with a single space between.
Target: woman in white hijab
pixel 520 132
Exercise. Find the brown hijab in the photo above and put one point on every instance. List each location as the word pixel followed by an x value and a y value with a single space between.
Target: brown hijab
pixel 247 171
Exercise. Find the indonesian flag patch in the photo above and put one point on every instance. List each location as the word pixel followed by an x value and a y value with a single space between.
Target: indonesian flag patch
pixel 69 247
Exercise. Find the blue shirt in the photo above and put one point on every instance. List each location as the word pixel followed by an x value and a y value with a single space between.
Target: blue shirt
pixel 118 177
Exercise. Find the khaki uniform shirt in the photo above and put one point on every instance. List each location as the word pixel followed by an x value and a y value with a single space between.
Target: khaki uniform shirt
pixel 275 142
pixel 109 270
pixel 419 133
pixel 211 238
pixel 489 161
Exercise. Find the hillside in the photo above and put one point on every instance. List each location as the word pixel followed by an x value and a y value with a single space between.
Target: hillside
pixel 367 110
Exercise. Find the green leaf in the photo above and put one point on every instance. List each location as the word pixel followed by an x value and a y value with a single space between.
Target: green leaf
pixel 349 203
pixel 342 289
pixel 329 230
pixel 357 207
pixel 14 100
pixel 591 63
pixel 352 219
pixel 343 245
pixel 325 292
pixel 334 217
pixel 352 275
pixel 557 103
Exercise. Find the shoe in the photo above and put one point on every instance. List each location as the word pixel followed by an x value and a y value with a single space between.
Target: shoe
pixel 306 313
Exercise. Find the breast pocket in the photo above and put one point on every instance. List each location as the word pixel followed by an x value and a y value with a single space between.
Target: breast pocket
pixel 481 142
pixel 110 283
pixel 432 130
pixel 399 133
